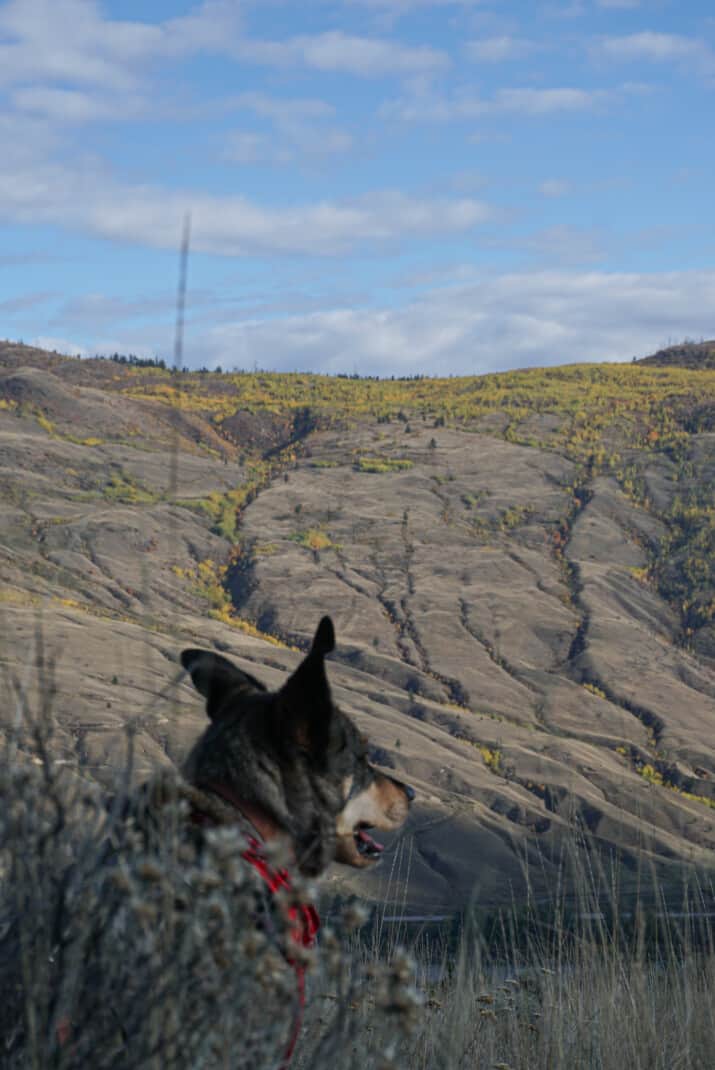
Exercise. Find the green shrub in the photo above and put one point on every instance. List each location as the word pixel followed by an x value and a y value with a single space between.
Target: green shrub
pixel 383 464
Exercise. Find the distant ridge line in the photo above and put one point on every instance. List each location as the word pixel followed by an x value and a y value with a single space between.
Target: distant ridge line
pixel 698 356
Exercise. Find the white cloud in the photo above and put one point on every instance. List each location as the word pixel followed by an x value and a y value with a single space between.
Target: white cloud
pixel 499 49
pixel 426 105
pixel 468 180
pixel 298 130
pixel 660 48
pixel 564 244
pixel 555 187
pixel 653 46
pixel 512 320
pixel 75 106
pixel 335 51
pixel 246 146
pixel 88 199
pixel 281 108
pixel 413 5
pixel 475 323
pixel 212 26
pixel 58 39
pixel 96 309
pixel 574 10
pixel 71 41
pixel 11 306
pixel 29 257
pixel 59 345
pixel 556 246
pixel 298 142
pixel 70 63
pixel 546 101
pixel 395 9
pixel 625 5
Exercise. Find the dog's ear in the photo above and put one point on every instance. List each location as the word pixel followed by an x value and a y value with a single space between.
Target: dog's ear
pixel 304 702
pixel 219 681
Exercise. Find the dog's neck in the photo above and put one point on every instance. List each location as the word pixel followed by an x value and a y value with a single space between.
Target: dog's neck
pixel 255 815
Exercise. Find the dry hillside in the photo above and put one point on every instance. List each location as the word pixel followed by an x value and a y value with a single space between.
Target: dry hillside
pixel 519 567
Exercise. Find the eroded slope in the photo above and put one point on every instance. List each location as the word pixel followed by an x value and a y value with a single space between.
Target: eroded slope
pixel 523 627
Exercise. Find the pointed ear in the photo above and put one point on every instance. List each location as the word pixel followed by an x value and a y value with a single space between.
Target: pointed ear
pixel 218 680
pixel 324 638
pixel 304 701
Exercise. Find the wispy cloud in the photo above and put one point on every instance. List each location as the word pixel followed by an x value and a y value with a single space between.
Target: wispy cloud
pixel 11 306
pixel 546 101
pixel 500 49
pixel 511 320
pixel 71 40
pixel 94 202
pixel 26 258
pixel 299 142
pixel 575 9
pixel 485 323
pixel 691 52
pixel 335 51
pixel 557 246
pixel 280 109
pixel 71 63
pixel 405 7
pixel 563 245
pixel 96 310
pixel 76 106
pixel 413 5
pixel 64 345
pixel 555 187
pixel 298 129
pixel 428 105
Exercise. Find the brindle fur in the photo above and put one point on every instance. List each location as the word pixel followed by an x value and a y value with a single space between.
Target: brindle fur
pixel 293 755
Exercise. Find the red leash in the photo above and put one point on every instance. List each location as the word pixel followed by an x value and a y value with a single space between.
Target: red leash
pixel 305 924
pixel 304 918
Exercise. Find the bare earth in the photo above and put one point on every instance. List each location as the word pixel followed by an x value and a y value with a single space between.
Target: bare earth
pixel 518 689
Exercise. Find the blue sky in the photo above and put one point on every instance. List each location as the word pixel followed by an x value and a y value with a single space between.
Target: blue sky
pixel 381 186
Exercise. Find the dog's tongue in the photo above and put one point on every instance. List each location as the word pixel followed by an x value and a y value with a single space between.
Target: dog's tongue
pixel 368 841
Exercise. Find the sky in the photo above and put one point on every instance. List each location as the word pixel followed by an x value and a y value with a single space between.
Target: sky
pixel 387 187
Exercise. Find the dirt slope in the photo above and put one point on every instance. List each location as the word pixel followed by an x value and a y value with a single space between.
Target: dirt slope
pixel 501 603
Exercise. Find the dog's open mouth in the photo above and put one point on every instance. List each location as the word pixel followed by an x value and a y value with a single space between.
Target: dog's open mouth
pixel 365 844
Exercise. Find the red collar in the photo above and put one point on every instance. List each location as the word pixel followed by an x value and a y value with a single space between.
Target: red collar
pixel 263 825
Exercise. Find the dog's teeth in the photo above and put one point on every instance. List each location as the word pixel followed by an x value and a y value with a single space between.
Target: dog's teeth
pixel 366 845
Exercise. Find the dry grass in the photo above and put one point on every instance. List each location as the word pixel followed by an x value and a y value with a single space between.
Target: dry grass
pixel 128 942
pixel 559 990
pixel 588 1009
pixel 124 947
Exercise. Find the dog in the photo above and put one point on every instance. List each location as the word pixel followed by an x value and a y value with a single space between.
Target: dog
pixel 291 773
pixel 291 762
pixel 291 767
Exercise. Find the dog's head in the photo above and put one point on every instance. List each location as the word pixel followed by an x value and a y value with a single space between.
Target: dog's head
pixel 296 756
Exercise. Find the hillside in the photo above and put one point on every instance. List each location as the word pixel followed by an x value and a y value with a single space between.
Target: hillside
pixel 520 568
pixel 698 356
